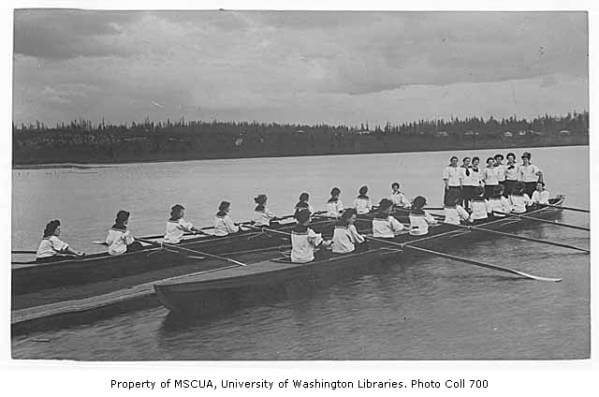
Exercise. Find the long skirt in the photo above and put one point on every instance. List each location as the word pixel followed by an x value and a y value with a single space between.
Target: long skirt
pixel 509 187
pixel 529 188
pixel 456 189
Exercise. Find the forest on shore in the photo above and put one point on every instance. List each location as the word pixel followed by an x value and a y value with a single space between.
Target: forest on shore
pixel 82 141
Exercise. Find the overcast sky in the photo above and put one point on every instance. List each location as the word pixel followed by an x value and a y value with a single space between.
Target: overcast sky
pixel 308 67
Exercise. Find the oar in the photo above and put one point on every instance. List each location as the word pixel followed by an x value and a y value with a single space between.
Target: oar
pixel 465 260
pixel 23 252
pixel 545 221
pixel 561 207
pixel 175 246
pixel 516 236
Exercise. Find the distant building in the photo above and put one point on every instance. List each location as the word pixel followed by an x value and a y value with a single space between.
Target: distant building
pixel 363 132
pixel 441 133
pixel 522 133
pixel 469 133
pixel 508 134
pixel 564 132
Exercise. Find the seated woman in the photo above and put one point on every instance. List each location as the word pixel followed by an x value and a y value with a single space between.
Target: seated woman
pixel 420 219
pixel 478 204
pixel 398 198
pixel 334 205
pixel 176 226
pixel 262 216
pixel 384 225
pixel 497 204
pixel 346 236
pixel 519 200
pixel 454 212
pixel 303 204
pixel 52 248
pixel 223 224
pixel 304 241
pixel 362 203
pixel 119 240
pixel 540 196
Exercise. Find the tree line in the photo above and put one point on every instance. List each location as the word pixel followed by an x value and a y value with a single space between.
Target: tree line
pixel 84 141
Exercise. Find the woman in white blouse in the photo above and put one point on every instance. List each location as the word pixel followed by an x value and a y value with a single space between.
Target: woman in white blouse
pixel 52 248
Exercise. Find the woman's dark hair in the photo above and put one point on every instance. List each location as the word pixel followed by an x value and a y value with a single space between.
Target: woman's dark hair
pixel 385 204
pixel 304 197
pixel 222 208
pixel 465 158
pixel 51 228
pixel 395 184
pixel 335 192
pixel 498 156
pixel 418 203
pixel 453 157
pixel 176 211
pixel 511 154
pixel 475 158
pixel 479 191
pixel 348 213
pixel 302 215
pixel 121 217
pixel 490 159
pixel 363 190
pixel 260 199
pixel 498 191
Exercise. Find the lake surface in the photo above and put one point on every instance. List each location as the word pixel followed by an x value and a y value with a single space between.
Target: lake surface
pixel 429 308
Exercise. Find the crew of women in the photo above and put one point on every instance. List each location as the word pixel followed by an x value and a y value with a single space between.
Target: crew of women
pixel 471 194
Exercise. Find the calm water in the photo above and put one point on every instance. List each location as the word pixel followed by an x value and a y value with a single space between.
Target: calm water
pixel 428 309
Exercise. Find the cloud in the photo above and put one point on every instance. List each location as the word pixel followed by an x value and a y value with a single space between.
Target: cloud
pixel 294 66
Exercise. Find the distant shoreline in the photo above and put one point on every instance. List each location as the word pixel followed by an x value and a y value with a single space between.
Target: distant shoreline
pixel 96 163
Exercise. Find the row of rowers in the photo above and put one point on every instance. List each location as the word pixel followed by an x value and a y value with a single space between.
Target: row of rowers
pixel 346 238
pixel 119 239
pixel 466 177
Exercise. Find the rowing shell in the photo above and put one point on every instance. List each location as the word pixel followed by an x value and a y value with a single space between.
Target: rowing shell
pixel 206 293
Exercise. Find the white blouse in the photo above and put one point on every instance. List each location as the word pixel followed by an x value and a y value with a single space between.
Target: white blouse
pixel 50 246
pixel 513 173
pixel 345 239
pixel 334 208
pixel 303 245
pixel 528 173
pixel 419 223
pixel 479 210
pixel 454 215
pixel 540 197
pixel 386 227
pixel 362 205
pixel 519 203
pixel 224 225
pixel 400 200
pixel 452 174
pixel 491 176
pixel 175 230
pixel 117 241
pixel 263 218
pixel 498 206
pixel 473 179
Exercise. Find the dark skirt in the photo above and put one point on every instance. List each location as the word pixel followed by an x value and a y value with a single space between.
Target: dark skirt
pixel 529 188
pixel 509 187
pixel 134 246
pixel 457 189
pixel 489 190
pixel 467 195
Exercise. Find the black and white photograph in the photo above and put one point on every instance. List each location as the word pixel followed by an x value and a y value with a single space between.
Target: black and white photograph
pixel 275 185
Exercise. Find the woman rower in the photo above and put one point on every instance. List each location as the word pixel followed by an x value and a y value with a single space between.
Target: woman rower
pixel 52 248
pixel 119 240
pixel 530 174
pixel 511 174
pixel 497 204
pixel 519 199
pixel 384 225
pixel 420 219
pixel 334 205
pixel 398 198
pixel 540 196
pixel 452 178
pixel 490 177
pixel 453 211
pixel 223 224
pixel 362 203
pixel 262 216
pixel 346 236
pixel 176 226
pixel 478 206
pixel 303 204
pixel 304 241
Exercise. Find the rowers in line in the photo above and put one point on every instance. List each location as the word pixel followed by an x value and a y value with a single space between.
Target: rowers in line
pixel 177 226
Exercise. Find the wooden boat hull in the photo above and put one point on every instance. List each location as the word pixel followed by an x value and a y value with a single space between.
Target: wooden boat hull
pixel 205 294
pixel 34 276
